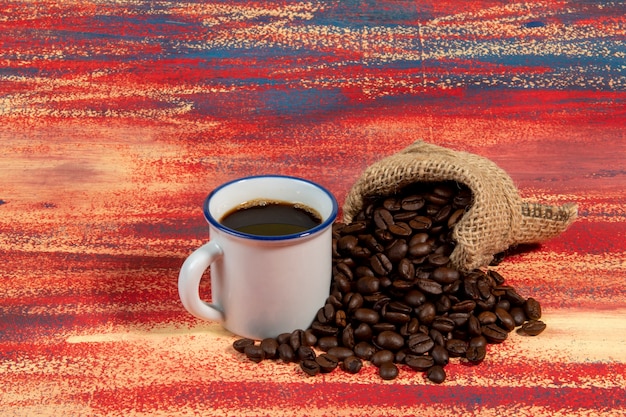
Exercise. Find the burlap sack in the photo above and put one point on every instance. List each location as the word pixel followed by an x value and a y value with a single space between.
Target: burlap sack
pixel 497 219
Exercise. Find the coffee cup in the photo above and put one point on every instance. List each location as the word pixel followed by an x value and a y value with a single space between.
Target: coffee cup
pixel 270 272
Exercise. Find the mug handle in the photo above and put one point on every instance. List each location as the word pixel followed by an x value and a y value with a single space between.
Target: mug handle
pixel 189 282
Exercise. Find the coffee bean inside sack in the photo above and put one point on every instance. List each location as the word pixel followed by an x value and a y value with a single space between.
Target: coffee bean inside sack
pixel 396 302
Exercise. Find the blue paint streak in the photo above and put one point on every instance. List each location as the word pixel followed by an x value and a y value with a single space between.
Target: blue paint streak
pixel 534 24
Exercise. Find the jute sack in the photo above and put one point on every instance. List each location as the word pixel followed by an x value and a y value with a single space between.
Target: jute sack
pixel 496 220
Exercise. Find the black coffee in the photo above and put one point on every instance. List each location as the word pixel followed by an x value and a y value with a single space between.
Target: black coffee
pixel 271 218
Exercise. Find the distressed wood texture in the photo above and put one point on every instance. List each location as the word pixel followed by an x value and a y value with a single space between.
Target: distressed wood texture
pixel 118 117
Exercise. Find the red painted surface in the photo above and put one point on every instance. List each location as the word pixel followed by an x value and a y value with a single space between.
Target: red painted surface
pixel 117 119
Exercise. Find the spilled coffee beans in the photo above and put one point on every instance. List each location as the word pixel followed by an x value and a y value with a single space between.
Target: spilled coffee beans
pixel 395 300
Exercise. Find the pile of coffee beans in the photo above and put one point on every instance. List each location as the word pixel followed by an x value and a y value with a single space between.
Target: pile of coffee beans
pixel 395 301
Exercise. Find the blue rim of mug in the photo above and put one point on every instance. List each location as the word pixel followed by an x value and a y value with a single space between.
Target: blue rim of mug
pixel 215 222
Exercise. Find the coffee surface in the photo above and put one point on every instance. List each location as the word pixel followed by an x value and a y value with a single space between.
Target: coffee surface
pixel 271 218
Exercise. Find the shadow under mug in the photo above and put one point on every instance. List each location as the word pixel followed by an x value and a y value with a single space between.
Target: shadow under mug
pixel 262 286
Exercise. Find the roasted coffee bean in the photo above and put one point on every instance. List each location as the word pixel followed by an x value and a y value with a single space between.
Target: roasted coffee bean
pixel 334 298
pixel 532 309
pixel 343 283
pixel 499 279
pixel 382 356
pixel 438 259
pixel 353 301
pixel 363 271
pixel 305 352
pixel 420 343
pixel 412 202
pixel 437 337
pixel 504 319
pixel 414 298
pixel 388 371
pixel 327 362
pixel 436 374
pixel 383 327
pixel 459 319
pixel 346 244
pixel 380 264
pixel 445 275
pixel 429 286
pixel 383 218
pixel 404 216
pixel 494 334
pixel 400 229
pixel 465 306
pixel 327 342
pixel 340 352
pixel 363 332
pixel 368 285
pixel 487 304
pixel 254 353
pixel 440 355
pixel 366 315
pixel 420 223
pixel 418 250
pixel 455 217
pixel 361 252
pixel 326 314
pixel 383 236
pixel 341 318
pixel 452 288
pixel 456 347
pixel 370 242
pixel 283 338
pixel 347 336
pixel 487 317
pixel 504 304
pixel 396 317
pixel 390 340
pixel 419 362
pixel 400 307
pixel 484 287
pixel 270 348
pixel 476 353
pixel 518 315
pixel 443 324
pixel 240 344
pixel 352 364
pixel 364 350
pixel 286 353
pixel 477 341
pixel 321 330
pixel 397 250
pixel 392 204
pixel 354 228
pixel 421 237
pixel 406 270
pixel 310 367
pixel 385 282
pixel 443 214
pixel 473 326
pixel 376 299
pixel 409 328
pixel 443 304
pixel 296 339
pixel 533 327
pixel 426 313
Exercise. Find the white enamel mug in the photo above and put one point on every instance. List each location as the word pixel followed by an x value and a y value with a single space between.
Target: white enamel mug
pixel 262 286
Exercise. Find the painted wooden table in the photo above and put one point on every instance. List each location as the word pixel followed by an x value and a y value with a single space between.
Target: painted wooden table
pixel 117 118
